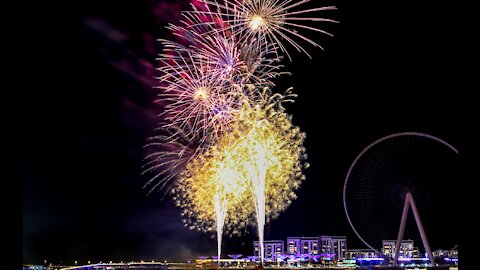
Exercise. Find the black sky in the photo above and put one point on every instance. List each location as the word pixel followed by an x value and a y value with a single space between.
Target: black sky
pixel 392 66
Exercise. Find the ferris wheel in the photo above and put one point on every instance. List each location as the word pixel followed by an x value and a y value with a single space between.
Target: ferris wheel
pixel 398 172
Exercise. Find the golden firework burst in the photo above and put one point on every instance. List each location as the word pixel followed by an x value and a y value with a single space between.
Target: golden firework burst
pixel 259 158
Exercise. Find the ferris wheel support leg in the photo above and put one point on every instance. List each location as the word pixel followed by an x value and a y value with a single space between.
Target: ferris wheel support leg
pixel 422 232
pixel 409 201
pixel 402 228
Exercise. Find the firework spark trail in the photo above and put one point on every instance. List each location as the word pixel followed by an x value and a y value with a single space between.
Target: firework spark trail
pixel 227 186
pixel 207 188
pixel 221 205
pixel 256 165
pixel 175 149
pixel 257 174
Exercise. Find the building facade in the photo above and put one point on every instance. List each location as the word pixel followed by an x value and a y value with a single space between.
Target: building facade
pixel 293 245
pixel 302 245
pixel 442 253
pixel 407 249
pixel 318 246
pixel 272 249
pixel 352 254
pixel 336 245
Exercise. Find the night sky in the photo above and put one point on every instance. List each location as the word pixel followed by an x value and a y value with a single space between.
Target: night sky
pixel 392 66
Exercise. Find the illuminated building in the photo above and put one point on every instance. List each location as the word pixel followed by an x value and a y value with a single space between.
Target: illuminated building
pixel 272 249
pixel 302 245
pixel 442 253
pixel 407 250
pixel 352 254
pixel 33 267
pixel 293 245
pixel 336 245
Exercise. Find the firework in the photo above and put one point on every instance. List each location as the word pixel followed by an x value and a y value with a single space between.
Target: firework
pixel 275 19
pixel 231 152
pixel 240 62
pixel 207 188
pixel 270 154
pixel 196 96
pixel 170 151
pixel 262 153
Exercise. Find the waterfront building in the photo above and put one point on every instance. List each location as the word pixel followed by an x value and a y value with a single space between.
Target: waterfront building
pixel 352 254
pixel 336 245
pixel 407 249
pixel 272 249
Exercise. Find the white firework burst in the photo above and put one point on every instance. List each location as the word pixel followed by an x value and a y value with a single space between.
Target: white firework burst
pixel 278 20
